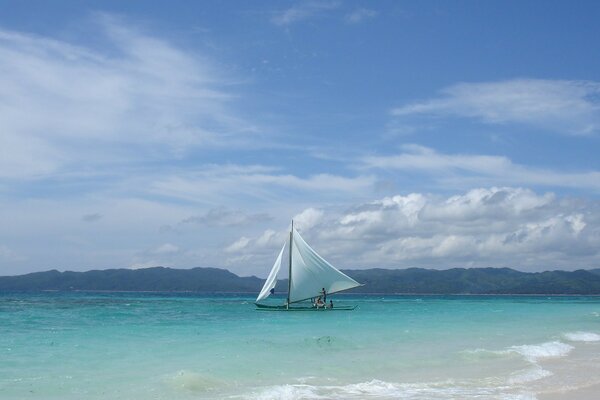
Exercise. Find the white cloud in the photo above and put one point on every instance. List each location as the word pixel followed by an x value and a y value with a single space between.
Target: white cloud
pixel 483 227
pixel 65 105
pixel 215 183
pixel 308 218
pixel 252 254
pixel 8 255
pixel 303 11
pixel 464 170
pixel 496 227
pixel 568 107
pixel 493 227
pixel 359 15
pixel 166 248
pixel 238 245
pixel 266 238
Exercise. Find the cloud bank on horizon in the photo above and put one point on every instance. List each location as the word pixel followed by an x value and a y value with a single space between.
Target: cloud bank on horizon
pixel 144 137
pixel 495 227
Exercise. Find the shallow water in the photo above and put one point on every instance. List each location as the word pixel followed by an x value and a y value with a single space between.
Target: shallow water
pixel 183 346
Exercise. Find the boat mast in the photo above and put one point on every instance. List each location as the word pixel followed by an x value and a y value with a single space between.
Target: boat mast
pixel 290 266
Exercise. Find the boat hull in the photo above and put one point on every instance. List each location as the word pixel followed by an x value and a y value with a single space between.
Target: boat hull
pixel 263 307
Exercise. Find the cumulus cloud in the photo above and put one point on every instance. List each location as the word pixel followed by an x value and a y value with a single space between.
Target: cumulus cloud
pixel 308 218
pixel 238 245
pixel 65 105
pixel 568 107
pixel 485 227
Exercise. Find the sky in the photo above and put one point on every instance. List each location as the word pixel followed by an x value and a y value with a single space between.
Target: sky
pixel 396 134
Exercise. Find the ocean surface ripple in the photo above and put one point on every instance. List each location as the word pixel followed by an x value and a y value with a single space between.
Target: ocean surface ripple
pixel 186 346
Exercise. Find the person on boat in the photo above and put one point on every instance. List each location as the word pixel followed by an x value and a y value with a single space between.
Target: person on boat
pixel 320 302
pixel 330 303
pixel 324 295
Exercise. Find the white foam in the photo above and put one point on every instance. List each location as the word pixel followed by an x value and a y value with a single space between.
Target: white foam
pixel 484 353
pixel 377 389
pixel 529 375
pixel 374 387
pixel 582 336
pixel 287 392
pixel 536 352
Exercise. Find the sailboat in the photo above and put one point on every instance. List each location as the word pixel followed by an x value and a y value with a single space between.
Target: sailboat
pixel 309 274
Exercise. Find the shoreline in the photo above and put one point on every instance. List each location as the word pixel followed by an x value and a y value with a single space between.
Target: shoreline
pixel 336 294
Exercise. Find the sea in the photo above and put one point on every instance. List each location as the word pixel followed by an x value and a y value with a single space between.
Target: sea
pixel 86 345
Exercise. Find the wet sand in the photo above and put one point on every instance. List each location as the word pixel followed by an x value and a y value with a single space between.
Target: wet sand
pixel 586 393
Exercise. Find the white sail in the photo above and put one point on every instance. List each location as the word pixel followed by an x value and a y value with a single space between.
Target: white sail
pixel 311 273
pixel 272 278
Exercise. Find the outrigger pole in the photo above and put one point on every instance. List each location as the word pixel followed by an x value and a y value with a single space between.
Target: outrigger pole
pixel 290 266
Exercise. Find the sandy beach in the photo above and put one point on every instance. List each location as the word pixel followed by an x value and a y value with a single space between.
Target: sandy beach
pixel 591 392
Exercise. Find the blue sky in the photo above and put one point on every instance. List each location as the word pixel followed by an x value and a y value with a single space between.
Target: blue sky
pixel 398 134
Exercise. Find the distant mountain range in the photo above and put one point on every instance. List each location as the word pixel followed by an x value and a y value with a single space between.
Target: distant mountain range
pixel 409 281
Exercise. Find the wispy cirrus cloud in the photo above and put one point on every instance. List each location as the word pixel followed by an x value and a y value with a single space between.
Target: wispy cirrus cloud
pixel 214 184
pixel 360 15
pixel 225 217
pixel 562 106
pixel 69 105
pixel 218 217
pixel 303 11
pixel 467 170
pixel 91 217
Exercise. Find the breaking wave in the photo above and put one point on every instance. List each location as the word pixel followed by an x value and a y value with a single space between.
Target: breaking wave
pixel 582 337
pixel 377 389
pixel 536 352
pixel 528 375
pixel 530 352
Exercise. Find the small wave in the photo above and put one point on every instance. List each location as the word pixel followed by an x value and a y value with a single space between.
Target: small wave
pixel 287 392
pixel 582 337
pixel 531 352
pixel 528 375
pixel 536 352
pixel 372 388
pixel 377 389
pixel 481 354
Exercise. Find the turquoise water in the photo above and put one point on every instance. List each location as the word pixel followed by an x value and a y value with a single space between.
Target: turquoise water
pixel 174 346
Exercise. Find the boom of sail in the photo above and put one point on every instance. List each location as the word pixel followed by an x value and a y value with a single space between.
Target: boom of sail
pixel 309 273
